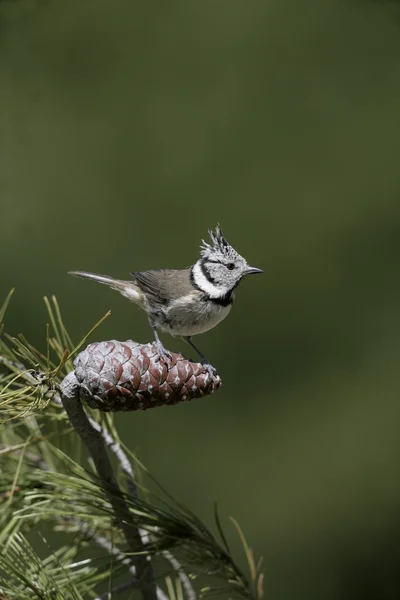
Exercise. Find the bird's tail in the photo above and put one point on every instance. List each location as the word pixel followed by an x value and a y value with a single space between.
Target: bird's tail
pixel 126 288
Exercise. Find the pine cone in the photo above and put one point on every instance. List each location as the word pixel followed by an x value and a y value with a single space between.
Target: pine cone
pixel 114 376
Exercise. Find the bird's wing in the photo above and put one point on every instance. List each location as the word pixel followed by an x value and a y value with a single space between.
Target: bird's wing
pixel 163 285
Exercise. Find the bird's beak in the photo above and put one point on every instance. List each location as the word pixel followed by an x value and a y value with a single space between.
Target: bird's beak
pixel 253 270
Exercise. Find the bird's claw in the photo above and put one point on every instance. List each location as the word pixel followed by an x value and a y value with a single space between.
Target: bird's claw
pixel 164 354
pixel 209 368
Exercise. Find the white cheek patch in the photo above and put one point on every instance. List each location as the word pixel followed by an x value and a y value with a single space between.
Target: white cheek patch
pixel 212 290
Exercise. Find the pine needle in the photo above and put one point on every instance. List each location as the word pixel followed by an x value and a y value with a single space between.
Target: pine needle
pixel 4 306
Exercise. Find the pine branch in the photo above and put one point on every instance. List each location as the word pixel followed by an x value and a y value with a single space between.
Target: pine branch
pixel 96 446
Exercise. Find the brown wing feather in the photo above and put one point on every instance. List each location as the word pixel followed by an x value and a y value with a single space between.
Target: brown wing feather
pixel 164 284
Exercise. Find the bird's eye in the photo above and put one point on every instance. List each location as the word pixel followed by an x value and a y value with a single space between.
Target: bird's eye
pixel 230 266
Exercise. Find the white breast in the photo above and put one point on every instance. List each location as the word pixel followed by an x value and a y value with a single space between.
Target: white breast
pixel 191 315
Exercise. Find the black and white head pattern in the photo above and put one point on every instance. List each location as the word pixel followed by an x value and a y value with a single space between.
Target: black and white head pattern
pixel 220 268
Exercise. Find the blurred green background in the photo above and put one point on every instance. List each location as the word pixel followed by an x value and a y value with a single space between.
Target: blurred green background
pixel 127 129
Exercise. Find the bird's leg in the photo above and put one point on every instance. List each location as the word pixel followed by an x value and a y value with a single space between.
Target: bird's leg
pixel 188 339
pixel 163 353
pixel 204 361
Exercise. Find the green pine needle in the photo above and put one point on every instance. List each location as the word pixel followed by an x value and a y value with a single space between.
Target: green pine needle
pixel 33 377
pixel 44 485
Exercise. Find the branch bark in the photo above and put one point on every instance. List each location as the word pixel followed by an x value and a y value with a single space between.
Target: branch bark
pixel 98 451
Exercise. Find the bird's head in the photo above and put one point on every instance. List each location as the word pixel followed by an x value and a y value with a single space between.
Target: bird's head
pixel 220 268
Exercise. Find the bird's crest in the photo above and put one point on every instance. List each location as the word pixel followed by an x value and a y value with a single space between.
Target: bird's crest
pixel 218 244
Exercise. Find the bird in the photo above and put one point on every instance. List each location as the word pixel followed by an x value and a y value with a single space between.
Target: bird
pixel 186 302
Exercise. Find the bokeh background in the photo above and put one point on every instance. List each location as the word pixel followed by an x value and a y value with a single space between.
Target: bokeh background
pixel 127 129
